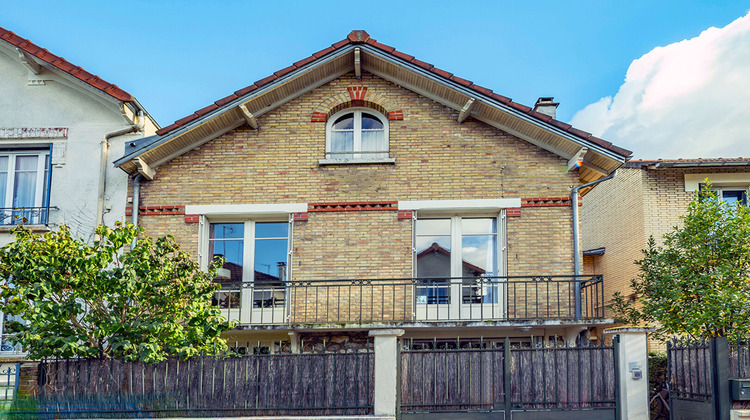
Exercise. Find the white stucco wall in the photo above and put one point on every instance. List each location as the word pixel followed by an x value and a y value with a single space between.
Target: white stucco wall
pixel 89 116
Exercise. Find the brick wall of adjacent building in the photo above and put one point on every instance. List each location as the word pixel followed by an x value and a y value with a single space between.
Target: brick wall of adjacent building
pixel 612 217
pixel 621 214
pixel 436 159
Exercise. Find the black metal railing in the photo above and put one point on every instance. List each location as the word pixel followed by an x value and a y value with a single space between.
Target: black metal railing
pixel 412 300
pixel 25 215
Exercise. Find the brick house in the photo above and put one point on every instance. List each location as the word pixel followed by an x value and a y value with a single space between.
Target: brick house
pixel 361 188
pixel 651 195
pixel 61 128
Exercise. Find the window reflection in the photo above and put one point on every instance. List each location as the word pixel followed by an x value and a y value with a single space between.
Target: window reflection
pixel 475 241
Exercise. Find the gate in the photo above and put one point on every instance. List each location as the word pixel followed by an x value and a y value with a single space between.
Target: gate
pixel 698 378
pixel 497 379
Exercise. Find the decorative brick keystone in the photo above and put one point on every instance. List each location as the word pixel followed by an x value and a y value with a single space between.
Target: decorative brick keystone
pixel 357 93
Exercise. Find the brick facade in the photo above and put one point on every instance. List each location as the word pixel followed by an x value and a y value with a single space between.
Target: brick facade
pixel 436 158
pixel 621 214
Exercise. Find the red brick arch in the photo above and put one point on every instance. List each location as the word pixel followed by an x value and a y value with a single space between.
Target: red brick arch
pixel 356 96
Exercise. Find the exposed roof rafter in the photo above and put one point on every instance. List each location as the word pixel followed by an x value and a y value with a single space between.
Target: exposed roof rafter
pixel 577 160
pixel 357 63
pixel 249 118
pixel 466 111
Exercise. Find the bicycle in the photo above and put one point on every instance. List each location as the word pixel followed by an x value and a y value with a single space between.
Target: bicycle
pixel 659 404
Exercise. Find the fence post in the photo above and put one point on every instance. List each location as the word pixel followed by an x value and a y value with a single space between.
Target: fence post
pixel 720 363
pixel 632 371
pixel 386 371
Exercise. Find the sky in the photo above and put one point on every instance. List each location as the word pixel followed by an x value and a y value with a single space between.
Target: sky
pixel 665 79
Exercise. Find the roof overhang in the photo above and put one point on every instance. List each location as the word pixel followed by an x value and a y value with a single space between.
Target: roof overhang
pixel 595 162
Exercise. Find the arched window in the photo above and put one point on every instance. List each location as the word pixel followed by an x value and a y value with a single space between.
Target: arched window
pixel 357 133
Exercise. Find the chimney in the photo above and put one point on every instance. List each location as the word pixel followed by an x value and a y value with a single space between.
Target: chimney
pixel 282 270
pixel 546 105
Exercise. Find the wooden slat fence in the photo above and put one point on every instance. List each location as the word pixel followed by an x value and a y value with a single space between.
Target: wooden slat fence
pixel 494 375
pixel 254 385
pixel 690 370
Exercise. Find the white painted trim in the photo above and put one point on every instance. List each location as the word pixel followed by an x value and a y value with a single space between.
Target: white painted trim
pixel 740 179
pixel 463 205
pixel 361 161
pixel 245 209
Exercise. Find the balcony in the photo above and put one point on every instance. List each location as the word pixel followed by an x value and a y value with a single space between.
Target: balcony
pixel 412 300
pixel 25 215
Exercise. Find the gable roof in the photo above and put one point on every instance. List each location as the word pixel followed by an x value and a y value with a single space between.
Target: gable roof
pixel 64 65
pixel 602 157
pixel 686 163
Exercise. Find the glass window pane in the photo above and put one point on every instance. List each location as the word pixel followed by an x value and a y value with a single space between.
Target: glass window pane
pixel 479 255
pixel 3 181
pixel 345 122
pixel 272 230
pixel 24 188
pixel 734 197
pixel 373 141
pixel 232 251
pixel 270 262
pixel 434 227
pixel 342 141
pixel 45 192
pixel 474 226
pixel 370 122
pixel 227 231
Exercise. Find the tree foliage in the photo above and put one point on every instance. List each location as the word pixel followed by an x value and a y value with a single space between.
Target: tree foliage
pixel 697 283
pixel 102 300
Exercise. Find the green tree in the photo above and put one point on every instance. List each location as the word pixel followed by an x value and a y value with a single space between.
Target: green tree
pixel 697 284
pixel 102 300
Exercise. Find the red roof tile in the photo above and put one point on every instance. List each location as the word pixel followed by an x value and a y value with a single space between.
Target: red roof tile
pixel 62 64
pixel 359 36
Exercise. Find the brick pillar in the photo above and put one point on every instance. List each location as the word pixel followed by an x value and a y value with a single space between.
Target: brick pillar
pixel 28 380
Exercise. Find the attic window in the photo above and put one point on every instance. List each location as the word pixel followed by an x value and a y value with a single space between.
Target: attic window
pixel 357 135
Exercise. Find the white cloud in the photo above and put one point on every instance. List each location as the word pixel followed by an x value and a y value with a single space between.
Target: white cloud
pixel 688 99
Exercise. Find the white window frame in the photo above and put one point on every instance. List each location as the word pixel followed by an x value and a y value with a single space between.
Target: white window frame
pixel 41 168
pixel 436 209
pixel 721 189
pixel 248 215
pixel 357 156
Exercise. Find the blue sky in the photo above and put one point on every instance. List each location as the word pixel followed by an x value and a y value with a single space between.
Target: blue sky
pixel 177 57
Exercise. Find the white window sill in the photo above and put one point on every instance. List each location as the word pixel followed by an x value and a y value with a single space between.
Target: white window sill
pixel 358 161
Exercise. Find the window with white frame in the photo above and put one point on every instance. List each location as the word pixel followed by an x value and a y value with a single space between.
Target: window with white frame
pixel 732 195
pixel 255 252
pixel 24 187
pixel 456 258
pixel 357 134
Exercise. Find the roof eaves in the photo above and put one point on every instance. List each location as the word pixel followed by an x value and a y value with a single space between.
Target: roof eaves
pixel 519 110
pixel 65 66
pixel 187 123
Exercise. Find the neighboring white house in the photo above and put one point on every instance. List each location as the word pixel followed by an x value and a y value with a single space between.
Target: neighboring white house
pixel 60 128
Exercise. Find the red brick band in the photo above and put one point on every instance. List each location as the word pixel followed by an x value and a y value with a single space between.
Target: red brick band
pixel 192 218
pixel 546 202
pixel 405 214
pixel 513 212
pixel 300 217
pixel 156 210
pixel 353 206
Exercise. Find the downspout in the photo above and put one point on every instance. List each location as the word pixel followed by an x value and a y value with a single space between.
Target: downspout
pixel 141 122
pixel 136 203
pixel 577 240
